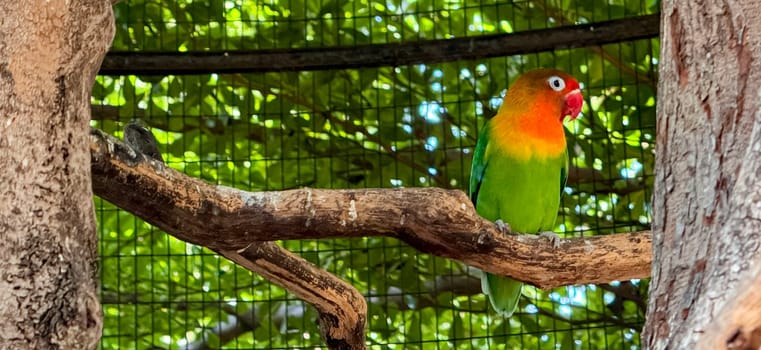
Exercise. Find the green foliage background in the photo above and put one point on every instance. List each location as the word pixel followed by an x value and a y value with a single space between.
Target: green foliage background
pixel 400 126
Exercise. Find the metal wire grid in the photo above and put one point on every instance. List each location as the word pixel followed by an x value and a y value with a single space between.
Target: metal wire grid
pixel 247 131
pixel 187 25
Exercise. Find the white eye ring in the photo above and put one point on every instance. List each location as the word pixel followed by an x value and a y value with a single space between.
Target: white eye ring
pixel 556 83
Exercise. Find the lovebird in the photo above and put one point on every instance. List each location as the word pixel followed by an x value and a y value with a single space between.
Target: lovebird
pixel 520 166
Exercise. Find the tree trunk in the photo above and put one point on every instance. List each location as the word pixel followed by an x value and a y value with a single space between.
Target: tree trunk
pixel 707 197
pixel 49 54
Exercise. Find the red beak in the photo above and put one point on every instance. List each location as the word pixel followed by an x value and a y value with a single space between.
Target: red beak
pixel 573 102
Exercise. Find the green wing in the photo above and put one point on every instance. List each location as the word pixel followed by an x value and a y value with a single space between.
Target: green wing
pixel 479 163
pixel 564 173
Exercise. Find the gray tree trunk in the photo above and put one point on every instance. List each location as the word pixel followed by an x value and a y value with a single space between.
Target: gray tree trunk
pixel 707 198
pixel 50 52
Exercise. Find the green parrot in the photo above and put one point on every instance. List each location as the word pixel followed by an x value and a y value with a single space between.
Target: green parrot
pixel 520 165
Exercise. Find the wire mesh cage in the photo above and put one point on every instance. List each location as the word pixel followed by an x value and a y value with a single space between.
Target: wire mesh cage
pixel 410 125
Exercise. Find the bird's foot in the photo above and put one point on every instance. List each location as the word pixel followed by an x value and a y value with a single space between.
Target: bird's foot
pixel 503 227
pixel 552 237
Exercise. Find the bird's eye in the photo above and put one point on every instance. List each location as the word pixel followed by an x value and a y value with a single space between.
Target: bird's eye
pixel 556 83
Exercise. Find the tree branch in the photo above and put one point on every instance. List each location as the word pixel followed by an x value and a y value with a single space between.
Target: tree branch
pixel 433 220
pixel 376 55
pixel 342 308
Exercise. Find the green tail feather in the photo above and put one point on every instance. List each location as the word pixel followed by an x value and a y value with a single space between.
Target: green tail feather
pixel 503 292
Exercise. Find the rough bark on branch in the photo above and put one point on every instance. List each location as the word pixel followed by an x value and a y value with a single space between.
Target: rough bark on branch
pixel 436 221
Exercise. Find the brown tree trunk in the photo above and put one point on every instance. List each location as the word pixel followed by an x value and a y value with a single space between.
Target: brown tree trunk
pixel 49 54
pixel 707 198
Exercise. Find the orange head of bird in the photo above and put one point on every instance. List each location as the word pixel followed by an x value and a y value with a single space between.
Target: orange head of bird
pixel 547 91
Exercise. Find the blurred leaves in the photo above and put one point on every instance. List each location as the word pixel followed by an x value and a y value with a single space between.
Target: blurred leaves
pixel 379 127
